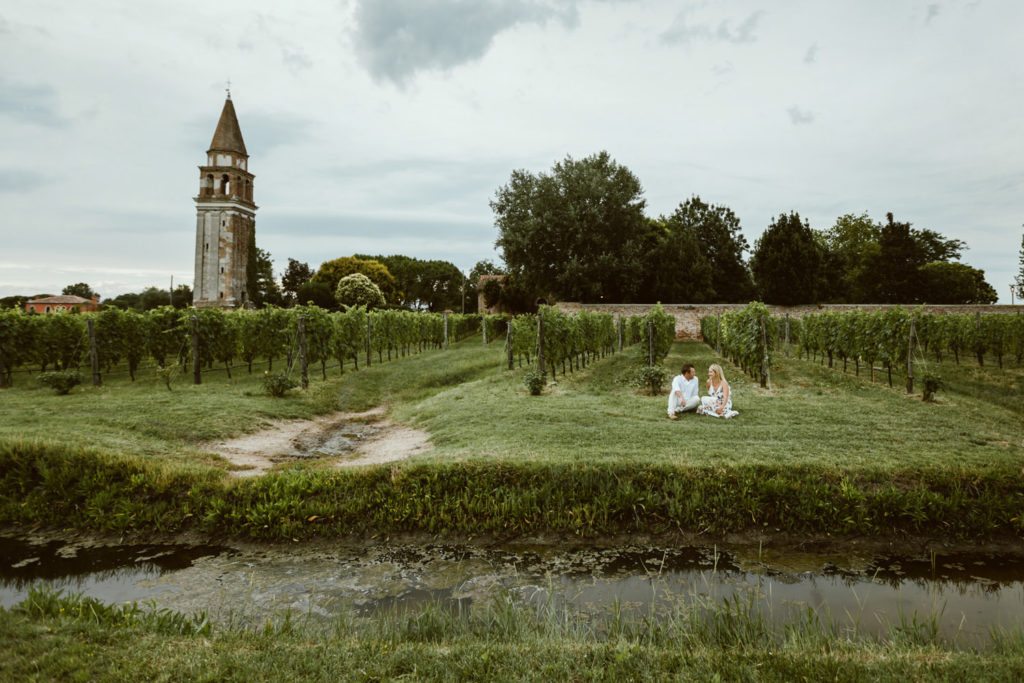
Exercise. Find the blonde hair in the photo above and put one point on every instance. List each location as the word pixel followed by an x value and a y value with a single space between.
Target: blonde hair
pixel 717 368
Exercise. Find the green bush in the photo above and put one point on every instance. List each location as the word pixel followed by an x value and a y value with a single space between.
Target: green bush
pixel 932 385
pixel 534 382
pixel 650 377
pixel 277 384
pixel 61 381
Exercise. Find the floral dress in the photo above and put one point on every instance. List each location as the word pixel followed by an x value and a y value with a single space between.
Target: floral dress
pixel 713 401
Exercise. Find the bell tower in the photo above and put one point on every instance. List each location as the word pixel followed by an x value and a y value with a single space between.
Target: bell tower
pixel 225 218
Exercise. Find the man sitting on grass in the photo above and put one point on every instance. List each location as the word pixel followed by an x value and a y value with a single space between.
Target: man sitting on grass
pixel 684 395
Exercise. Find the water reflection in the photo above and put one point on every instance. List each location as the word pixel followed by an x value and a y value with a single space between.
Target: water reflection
pixel 965 594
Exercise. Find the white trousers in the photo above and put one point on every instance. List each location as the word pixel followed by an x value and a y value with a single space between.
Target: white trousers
pixel 676 405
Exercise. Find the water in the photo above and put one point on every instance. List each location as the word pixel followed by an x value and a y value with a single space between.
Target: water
pixel 967 594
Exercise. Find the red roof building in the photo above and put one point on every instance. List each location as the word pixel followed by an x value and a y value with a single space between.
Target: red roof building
pixel 65 302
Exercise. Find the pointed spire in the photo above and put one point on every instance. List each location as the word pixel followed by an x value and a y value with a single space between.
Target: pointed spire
pixel 228 136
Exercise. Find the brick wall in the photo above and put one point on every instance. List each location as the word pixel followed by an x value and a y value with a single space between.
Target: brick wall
pixel 688 315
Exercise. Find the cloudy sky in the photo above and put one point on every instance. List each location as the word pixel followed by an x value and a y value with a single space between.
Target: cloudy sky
pixel 385 126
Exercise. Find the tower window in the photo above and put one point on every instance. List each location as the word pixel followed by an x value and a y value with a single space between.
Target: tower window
pixel 224 184
pixel 222 295
pixel 222 270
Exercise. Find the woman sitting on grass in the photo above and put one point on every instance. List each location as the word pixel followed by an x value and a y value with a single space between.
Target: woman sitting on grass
pixel 718 402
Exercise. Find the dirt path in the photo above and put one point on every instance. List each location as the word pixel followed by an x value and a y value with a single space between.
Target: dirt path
pixel 351 439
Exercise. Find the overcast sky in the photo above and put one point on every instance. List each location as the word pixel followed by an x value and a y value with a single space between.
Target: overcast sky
pixel 385 126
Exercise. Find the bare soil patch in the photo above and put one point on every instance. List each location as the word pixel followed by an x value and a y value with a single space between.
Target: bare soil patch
pixel 353 439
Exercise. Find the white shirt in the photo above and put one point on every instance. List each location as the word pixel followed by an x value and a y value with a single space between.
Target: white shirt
pixel 688 388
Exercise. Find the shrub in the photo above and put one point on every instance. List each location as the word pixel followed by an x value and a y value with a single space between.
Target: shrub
pixel 650 377
pixel 358 290
pixel 62 381
pixel 932 384
pixel 534 382
pixel 277 384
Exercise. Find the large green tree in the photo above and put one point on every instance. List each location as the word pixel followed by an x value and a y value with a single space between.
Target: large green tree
pixel 330 272
pixel 678 271
pixel 263 288
pixel 295 275
pixel 80 289
pixel 852 245
pixel 721 242
pixel 577 232
pixel 787 262
pixel 423 285
pixel 955 283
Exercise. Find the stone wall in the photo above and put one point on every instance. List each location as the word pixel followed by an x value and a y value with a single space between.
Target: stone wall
pixel 688 315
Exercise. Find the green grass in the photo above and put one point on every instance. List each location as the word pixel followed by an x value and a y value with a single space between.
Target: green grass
pixel 51 637
pixel 820 452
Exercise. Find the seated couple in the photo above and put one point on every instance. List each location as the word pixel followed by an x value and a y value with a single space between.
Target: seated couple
pixel 685 394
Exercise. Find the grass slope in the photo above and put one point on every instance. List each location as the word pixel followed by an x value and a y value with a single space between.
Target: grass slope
pixel 819 452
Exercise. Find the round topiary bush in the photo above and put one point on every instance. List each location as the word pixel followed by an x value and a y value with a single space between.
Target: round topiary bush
pixel 358 290
pixel 277 384
pixel 534 382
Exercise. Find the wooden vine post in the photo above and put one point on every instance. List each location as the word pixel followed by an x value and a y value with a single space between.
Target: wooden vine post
pixel 620 332
pixel 367 339
pixel 787 335
pixel 910 358
pixel 197 374
pixel 445 314
pixel 540 343
pixel 718 335
pixel 93 357
pixel 764 355
pixel 483 326
pixel 508 344
pixel 3 371
pixel 650 342
pixel 303 367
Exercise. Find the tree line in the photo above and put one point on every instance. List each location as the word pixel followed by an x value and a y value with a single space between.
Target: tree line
pixel 580 233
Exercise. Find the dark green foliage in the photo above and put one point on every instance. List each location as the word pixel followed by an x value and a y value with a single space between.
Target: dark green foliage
pixel 649 377
pixel 425 285
pixel 787 262
pixel 932 385
pixel 80 289
pixel 577 232
pixel 534 382
pixel 943 282
pixel 721 242
pixel 61 381
pixel 260 285
pixel 277 384
pixel 295 275
pixel 317 294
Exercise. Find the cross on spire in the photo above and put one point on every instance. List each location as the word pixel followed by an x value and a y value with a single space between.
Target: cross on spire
pixel 228 89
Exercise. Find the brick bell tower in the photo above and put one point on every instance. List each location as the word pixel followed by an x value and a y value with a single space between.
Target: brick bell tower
pixel 225 218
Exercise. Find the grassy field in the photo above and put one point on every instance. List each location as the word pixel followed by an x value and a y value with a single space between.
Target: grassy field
pixel 818 452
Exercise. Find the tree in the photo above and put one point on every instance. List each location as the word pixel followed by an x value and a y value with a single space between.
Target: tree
pixel 677 270
pixel 955 283
pixel 260 282
pixel 317 294
pixel 431 285
pixel 295 275
pixel 330 272
pixel 576 232
pixel 895 268
pixel 80 289
pixel 719 239
pixel 787 261
pixel 357 290
pixel 852 245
